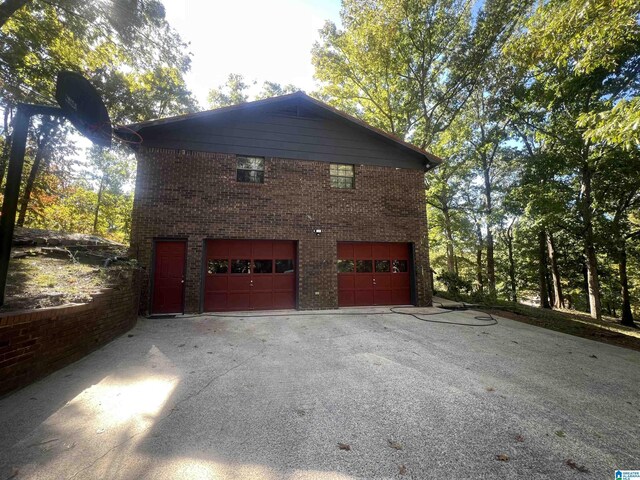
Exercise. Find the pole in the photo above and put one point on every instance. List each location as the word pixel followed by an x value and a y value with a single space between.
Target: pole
pixel 12 188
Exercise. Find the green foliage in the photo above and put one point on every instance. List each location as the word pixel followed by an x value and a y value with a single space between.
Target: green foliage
pixel 535 108
pixel 273 89
pixel 236 91
pixel 454 283
pixel 137 62
pixel 233 92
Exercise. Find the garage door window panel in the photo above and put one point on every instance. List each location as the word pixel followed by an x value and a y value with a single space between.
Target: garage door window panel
pixel 345 266
pixel 382 266
pixel 400 266
pixel 285 266
pixel 217 267
pixel 364 266
pixel 262 266
pixel 240 266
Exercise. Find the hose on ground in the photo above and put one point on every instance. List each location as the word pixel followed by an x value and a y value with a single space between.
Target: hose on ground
pixel 420 316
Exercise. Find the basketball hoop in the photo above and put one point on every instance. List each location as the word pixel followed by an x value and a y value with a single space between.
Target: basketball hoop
pixel 83 107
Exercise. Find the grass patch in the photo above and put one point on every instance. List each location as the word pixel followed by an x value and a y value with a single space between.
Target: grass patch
pixel 580 324
pixel 40 281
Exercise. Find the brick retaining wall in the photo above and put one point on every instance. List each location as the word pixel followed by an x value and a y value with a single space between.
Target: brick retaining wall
pixel 35 343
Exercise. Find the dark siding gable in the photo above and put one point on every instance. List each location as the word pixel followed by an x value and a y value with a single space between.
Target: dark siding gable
pixel 293 133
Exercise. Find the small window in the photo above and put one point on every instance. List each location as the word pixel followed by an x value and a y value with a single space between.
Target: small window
pixel 342 176
pixel 382 266
pixel 262 266
pixel 399 266
pixel 284 266
pixel 217 266
pixel 345 266
pixel 240 266
pixel 364 266
pixel 250 169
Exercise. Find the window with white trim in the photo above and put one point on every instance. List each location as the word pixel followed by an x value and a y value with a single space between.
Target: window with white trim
pixel 250 169
pixel 342 175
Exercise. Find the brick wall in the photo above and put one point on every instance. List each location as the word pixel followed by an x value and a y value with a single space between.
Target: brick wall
pixel 34 343
pixel 195 196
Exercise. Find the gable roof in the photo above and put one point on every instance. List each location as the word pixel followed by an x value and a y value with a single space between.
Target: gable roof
pixel 284 100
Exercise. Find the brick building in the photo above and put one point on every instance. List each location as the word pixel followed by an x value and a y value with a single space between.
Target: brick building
pixel 275 204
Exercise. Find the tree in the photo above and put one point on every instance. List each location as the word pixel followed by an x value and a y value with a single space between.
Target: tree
pixel 233 92
pixel 273 89
pixel 127 49
pixel 111 172
pixel 564 86
pixel 409 67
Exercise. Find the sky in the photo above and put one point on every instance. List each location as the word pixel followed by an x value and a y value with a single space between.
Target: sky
pixel 262 40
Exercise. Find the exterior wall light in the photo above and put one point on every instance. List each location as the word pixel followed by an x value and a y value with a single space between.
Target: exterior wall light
pixel 317 231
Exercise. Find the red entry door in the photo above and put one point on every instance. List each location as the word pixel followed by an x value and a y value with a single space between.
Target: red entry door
pixel 250 275
pixel 373 274
pixel 168 277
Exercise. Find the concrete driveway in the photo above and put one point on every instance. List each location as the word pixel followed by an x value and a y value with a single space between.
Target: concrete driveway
pixel 275 396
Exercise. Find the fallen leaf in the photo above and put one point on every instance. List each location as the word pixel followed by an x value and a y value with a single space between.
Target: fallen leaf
pixel 503 457
pixel 491 389
pixel 519 438
pixel 403 470
pixel 395 445
pixel 574 466
pixel 344 446
pixel 561 434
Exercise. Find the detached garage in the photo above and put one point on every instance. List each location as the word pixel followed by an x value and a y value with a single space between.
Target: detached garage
pixel 278 204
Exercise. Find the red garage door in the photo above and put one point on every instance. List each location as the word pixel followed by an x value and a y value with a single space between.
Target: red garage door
pixel 373 274
pixel 250 275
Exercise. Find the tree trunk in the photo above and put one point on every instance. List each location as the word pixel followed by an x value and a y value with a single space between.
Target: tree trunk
pixel 512 265
pixel 491 266
pixel 42 150
pixel 479 268
pixel 593 284
pixel 8 8
pixel 542 269
pixel 558 299
pixel 97 210
pixel 6 148
pixel 627 316
pixel 451 268
pixel 550 294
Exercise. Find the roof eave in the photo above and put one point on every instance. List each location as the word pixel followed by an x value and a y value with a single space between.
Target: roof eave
pixel 432 160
